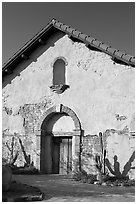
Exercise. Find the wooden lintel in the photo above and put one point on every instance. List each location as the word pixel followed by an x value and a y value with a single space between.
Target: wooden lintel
pixel 57 134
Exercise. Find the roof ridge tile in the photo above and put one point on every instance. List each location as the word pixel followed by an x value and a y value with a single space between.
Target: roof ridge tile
pixel 96 42
pixel 104 46
pixel 90 39
pixel 118 53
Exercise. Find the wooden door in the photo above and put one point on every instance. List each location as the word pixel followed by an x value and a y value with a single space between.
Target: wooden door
pixel 55 155
pixel 65 156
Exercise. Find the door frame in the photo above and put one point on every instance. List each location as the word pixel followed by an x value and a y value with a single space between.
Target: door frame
pixel 76 134
pixel 62 155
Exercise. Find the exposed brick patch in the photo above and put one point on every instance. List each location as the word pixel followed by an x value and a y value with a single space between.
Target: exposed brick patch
pixel 91 146
pixel 90 142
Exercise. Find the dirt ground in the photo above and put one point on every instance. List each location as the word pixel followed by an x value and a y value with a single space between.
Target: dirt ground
pixel 22 193
pixel 59 188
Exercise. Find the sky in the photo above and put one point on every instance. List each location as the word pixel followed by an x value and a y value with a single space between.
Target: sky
pixel 110 22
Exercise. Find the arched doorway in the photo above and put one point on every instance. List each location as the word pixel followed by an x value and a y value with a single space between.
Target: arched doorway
pixel 60 141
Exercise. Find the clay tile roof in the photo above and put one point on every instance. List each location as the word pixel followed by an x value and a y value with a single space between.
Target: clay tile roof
pixel 49 29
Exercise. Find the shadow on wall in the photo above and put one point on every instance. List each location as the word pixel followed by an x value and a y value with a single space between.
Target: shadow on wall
pixel 26 157
pixel 116 170
pixel 13 153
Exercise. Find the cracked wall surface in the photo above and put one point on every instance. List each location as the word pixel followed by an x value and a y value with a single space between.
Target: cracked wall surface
pixel 101 92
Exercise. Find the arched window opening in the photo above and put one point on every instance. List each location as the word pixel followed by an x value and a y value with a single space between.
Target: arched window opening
pixel 59 72
pixel 59 76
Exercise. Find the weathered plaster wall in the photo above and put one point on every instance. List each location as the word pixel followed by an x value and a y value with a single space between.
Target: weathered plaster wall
pixel 101 92
pixel 91 146
pixel 98 87
pixel 120 153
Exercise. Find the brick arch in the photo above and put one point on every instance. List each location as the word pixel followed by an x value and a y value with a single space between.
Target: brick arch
pixel 60 109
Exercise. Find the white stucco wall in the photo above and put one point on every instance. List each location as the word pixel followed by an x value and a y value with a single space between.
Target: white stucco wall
pixel 100 92
pixel 98 87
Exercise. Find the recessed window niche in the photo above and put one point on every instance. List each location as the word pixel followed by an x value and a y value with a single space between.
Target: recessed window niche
pixel 59 76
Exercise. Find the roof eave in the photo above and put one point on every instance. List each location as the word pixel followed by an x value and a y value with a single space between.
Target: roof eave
pixel 26 46
pixel 89 41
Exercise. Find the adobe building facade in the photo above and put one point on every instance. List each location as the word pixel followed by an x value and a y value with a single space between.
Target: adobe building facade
pixel 66 102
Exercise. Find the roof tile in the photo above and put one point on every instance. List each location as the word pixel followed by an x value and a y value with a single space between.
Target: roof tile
pixel 58 24
pixel 64 27
pixel 76 32
pixel 69 29
pixel 126 57
pixel 53 21
pixel 104 46
pixel 96 42
pixel 83 36
pixel 119 53
pixel 132 60
pixel 89 39
pixel 111 50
